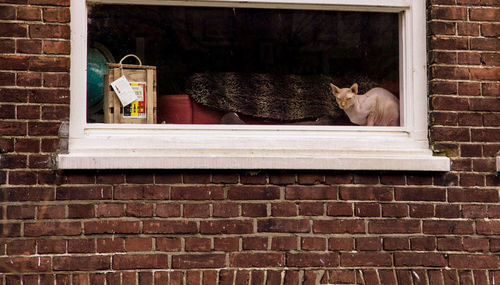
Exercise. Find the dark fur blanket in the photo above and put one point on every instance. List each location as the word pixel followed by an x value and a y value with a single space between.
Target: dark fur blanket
pixel 268 96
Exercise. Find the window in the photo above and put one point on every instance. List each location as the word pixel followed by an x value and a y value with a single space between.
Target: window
pixel 307 40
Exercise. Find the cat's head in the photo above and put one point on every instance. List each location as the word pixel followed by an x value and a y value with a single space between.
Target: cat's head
pixel 345 96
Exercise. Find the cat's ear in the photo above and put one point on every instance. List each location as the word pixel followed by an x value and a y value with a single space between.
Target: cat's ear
pixel 335 89
pixel 354 88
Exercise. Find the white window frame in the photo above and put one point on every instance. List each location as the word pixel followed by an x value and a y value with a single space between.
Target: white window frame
pixel 169 146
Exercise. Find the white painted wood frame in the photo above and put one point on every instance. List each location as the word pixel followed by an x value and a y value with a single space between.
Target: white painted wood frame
pixel 113 146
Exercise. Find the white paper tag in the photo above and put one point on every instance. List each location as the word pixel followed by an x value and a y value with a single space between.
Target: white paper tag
pixel 124 91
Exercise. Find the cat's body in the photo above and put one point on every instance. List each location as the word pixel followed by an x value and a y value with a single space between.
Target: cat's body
pixel 377 107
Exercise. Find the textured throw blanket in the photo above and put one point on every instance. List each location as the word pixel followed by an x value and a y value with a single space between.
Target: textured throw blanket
pixel 284 98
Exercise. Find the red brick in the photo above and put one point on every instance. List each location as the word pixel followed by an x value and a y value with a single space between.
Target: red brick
pixel 254 193
pixel 488 227
pixel 226 227
pixel 51 246
pixel 81 246
pixel 475 244
pixel 196 211
pixel 56 80
pixel 13 30
pixel 168 178
pixel 450 134
pixel 483 104
pixel 283 225
pixel 25 264
pixel 226 244
pixel 489 44
pixel 490 30
pixel 7 12
pixel 442 28
pixel 21 247
pixel 485 14
pixel 168 210
pixel 7 78
pixel 313 243
pixel 22 178
pixel 197 244
pixel 447 211
pixel 284 209
pixel 340 209
pixel 419 259
pixel 51 2
pixel 138 244
pixel 21 212
pixel 340 244
pixel 55 112
pixel 14 194
pixel 423 243
pixel 57 96
pixel 7 111
pixel 110 210
pixel 393 226
pixel 473 195
pixel 51 212
pixel 155 192
pixel 447 227
pixel 198 261
pixel 368 244
pixel 311 209
pixel 83 193
pixel 312 259
pixel 339 226
pixel 254 210
pixel 111 227
pixel 49 64
pixel 12 160
pixel 443 87
pixel 56 15
pixel 474 211
pixel 7 45
pixel 28 111
pixel 367 210
pixel 366 193
pixel 396 243
pixel 473 261
pixel 365 259
pixel 29 13
pixel 394 210
pixel 198 193
pixel 254 243
pixel 468 29
pixel 282 179
pixel 284 243
pixel 129 192
pixel 253 178
pixel 225 178
pixel 310 178
pixel 449 13
pixel 52 229
pixel 169 227
pixel 139 210
pixel 311 193
pixel 168 244
pixel 78 211
pixel 139 261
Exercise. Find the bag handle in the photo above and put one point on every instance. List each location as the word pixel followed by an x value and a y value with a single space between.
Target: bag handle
pixel 131 55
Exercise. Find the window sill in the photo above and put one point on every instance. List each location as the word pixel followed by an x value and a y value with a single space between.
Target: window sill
pixel 258 147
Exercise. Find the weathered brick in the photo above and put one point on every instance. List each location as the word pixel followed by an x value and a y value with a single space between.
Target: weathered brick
pixel 365 259
pixel 52 229
pixel 198 261
pixel 254 193
pixel 283 225
pixel 312 259
pixel 256 260
pixel 473 261
pixel 310 193
pixel 226 227
pixel 339 226
pixel 169 227
pixel 447 227
pixel 393 226
pixel 427 259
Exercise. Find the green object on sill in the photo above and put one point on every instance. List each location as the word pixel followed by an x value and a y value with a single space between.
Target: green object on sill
pixel 96 69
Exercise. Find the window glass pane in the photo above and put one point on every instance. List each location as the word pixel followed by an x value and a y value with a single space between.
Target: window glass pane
pixel 248 66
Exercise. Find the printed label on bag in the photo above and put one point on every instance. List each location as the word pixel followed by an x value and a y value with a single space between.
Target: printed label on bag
pixel 124 91
pixel 137 109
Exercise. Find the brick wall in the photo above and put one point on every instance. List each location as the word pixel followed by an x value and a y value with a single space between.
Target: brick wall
pixel 257 227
